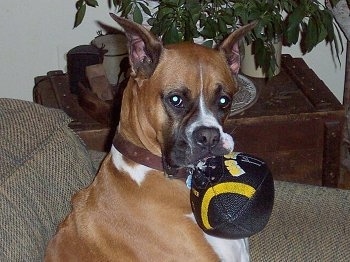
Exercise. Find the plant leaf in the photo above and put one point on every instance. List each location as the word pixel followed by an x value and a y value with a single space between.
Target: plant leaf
pixel 127 10
pixel 222 26
pixel 296 17
pixel 208 43
pixel 92 3
pixel 210 28
pixel 137 15
pixel 79 16
pixel 172 35
pixel 292 35
pixel 311 35
pixel 151 21
pixel 145 9
pixel 79 3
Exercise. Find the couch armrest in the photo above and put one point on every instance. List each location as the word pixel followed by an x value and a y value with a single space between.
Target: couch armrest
pixel 42 164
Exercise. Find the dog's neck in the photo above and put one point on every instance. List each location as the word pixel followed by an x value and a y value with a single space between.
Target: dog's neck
pixel 145 157
pixel 137 154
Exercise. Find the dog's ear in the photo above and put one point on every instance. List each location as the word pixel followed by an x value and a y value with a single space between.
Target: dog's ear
pixel 144 48
pixel 230 46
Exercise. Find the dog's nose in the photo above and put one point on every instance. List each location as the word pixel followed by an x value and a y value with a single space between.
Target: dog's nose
pixel 207 137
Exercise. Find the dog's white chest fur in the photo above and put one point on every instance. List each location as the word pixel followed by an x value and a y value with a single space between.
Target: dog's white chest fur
pixel 228 250
pixel 137 173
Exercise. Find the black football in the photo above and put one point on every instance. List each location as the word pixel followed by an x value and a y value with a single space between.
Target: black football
pixel 232 196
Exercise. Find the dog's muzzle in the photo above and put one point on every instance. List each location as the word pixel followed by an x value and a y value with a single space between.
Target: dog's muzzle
pixel 206 137
pixel 202 142
pixel 210 141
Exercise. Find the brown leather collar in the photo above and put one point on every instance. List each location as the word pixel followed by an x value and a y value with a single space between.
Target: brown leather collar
pixel 146 158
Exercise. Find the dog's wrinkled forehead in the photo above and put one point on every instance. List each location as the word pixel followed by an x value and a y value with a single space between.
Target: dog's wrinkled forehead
pixel 202 70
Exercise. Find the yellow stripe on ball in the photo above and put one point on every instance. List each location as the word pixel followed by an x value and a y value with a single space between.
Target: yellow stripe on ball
pixel 223 188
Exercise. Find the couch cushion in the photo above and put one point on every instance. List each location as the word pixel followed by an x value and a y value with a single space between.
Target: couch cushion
pixel 42 164
pixel 308 223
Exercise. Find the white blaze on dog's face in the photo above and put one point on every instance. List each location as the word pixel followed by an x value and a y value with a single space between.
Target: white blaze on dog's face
pixel 181 95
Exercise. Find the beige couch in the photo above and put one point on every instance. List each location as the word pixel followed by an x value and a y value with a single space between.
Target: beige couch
pixel 42 163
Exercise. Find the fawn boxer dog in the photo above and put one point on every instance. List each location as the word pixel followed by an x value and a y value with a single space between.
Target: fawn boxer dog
pixel 138 207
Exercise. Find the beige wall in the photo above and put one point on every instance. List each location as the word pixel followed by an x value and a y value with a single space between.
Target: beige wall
pixel 36 35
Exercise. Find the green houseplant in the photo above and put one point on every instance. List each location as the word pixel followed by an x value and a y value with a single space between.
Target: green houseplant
pixel 182 20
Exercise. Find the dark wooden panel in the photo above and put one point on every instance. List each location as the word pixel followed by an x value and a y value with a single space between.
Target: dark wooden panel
pixel 277 135
pixel 302 166
pixel 331 154
pixel 292 149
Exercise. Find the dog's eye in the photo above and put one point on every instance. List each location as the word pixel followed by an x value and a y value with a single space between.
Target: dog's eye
pixel 224 102
pixel 176 101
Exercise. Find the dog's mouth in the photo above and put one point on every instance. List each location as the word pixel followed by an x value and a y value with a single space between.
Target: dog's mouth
pixel 178 162
pixel 188 149
pixel 183 171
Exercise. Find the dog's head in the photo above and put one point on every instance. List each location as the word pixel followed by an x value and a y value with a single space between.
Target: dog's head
pixel 179 95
